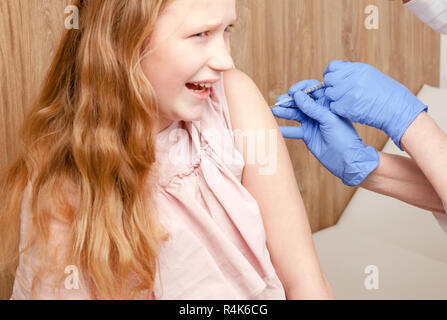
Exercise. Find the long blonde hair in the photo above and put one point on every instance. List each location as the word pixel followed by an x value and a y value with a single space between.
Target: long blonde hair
pixel 90 136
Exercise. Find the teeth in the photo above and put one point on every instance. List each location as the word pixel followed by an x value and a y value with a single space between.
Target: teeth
pixel 203 85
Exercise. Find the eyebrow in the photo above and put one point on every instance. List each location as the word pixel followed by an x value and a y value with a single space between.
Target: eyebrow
pixel 212 25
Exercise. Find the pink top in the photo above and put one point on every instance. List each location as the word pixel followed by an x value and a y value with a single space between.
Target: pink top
pixel 217 248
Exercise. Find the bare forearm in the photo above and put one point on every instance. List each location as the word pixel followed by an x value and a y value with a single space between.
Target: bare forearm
pixel 311 291
pixel 427 145
pixel 401 178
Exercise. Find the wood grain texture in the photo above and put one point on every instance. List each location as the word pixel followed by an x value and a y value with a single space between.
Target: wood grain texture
pixel 281 42
pixel 29 34
pixel 276 42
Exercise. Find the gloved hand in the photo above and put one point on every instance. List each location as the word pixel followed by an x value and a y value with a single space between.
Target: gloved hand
pixel 363 94
pixel 331 139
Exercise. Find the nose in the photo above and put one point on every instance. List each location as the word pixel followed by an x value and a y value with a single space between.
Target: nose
pixel 221 59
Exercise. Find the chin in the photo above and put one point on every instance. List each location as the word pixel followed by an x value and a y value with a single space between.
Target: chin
pixel 192 116
pixel 197 118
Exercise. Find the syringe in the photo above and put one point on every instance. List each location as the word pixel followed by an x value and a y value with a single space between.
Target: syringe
pixel 307 91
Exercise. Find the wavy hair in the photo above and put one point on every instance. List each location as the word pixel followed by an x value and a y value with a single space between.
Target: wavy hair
pixel 87 145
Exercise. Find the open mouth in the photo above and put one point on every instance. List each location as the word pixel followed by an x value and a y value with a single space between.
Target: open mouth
pixel 197 88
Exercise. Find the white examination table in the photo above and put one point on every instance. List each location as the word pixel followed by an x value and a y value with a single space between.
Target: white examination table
pixel 406 244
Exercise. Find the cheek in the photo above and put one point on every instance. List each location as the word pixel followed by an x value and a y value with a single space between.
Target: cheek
pixel 158 71
pixel 168 70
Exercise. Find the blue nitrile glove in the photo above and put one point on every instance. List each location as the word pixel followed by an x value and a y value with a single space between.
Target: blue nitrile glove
pixel 332 139
pixel 360 93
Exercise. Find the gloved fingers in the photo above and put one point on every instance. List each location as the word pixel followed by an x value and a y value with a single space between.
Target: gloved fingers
pixel 310 107
pixel 318 94
pixel 336 65
pixel 287 104
pixel 335 78
pixel 289 114
pixel 292 132
pixel 337 92
pixel 302 85
pixel 324 101
pixel 305 84
pixel 339 108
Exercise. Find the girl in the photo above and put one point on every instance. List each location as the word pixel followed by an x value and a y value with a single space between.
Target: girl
pixel 123 188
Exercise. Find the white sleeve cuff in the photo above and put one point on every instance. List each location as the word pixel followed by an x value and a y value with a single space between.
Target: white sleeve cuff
pixel 432 12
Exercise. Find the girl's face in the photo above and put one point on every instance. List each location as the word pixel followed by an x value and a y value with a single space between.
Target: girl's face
pixel 190 44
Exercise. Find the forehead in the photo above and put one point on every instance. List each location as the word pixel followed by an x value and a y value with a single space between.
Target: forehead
pixel 197 13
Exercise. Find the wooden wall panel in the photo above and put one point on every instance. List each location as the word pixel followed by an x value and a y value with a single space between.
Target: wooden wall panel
pixel 281 42
pixel 277 43
pixel 29 34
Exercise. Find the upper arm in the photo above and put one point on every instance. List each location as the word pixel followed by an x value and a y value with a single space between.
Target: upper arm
pixel 255 129
pixel 244 99
pixel 271 181
pixel 268 171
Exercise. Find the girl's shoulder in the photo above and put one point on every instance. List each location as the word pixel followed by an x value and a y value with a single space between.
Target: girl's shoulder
pixel 248 109
pixel 246 103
